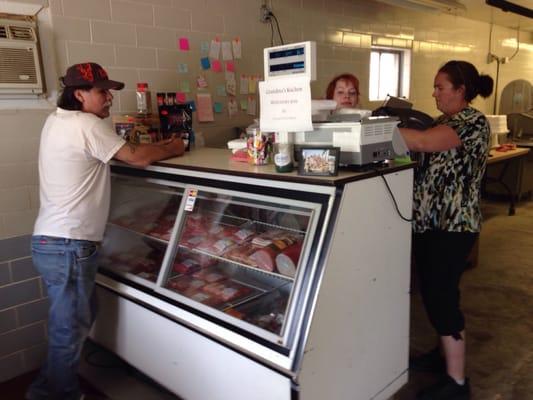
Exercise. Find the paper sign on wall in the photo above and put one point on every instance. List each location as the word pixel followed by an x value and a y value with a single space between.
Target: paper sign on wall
pixel 252 84
pixel 221 90
pixel 285 105
pixel 185 86
pixel 230 66
pixel 204 106
pixel 251 106
pixel 232 107
pixel 183 68
pixel 214 51
pixel 236 44
pixel 216 66
pixel 230 76
pixel 183 44
pixel 231 87
pixel 204 48
pixel 244 84
pixel 201 82
pixel 218 107
pixel 206 64
pixel 244 104
pixel 226 51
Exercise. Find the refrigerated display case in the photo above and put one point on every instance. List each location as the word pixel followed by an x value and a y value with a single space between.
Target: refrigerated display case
pixel 229 281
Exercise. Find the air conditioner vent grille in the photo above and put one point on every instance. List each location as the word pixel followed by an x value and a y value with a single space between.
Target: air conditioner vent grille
pixel 21 32
pixel 3 32
pixel 17 66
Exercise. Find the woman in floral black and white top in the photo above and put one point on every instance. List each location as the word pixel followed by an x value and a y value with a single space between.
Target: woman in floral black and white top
pixel 447 217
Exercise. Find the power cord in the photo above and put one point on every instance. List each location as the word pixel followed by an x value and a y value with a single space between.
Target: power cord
pixel 392 196
pixel 267 16
pixel 277 26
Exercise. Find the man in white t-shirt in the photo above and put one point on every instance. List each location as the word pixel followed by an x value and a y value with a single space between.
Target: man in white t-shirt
pixel 74 178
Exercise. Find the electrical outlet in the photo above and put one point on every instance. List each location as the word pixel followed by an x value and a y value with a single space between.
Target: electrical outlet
pixel 264 13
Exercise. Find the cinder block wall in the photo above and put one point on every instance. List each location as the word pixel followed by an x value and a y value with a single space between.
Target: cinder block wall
pixel 23 310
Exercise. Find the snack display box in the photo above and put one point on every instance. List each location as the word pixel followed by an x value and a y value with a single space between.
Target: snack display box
pixel 229 281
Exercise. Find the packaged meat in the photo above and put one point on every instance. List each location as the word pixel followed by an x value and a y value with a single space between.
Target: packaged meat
pixel 197 224
pixel 242 253
pixel 223 231
pixel 148 276
pixel 185 283
pixel 265 258
pixel 242 235
pixel 287 260
pixel 204 298
pixel 234 313
pixel 276 239
pixel 194 241
pixel 162 232
pixel 210 275
pixel 227 290
pixel 145 265
pixel 187 266
pixel 201 259
pixel 217 248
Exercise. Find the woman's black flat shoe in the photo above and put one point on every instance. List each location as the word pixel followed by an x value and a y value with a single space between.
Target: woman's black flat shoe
pixel 432 361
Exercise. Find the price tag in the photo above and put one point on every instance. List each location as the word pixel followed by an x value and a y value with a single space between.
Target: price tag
pixel 191 199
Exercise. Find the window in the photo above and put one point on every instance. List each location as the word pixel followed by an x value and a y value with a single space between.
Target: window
pixel 389 73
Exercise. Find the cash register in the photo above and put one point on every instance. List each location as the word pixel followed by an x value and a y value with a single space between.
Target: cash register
pixel 361 137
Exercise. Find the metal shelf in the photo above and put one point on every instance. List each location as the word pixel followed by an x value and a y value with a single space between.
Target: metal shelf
pixel 238 264
pixel 144 235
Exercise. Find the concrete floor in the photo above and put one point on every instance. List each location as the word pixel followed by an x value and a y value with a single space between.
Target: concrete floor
pixel 497 299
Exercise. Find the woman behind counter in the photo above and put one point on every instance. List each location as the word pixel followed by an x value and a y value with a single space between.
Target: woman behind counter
pixel 344 89
pixel 447 216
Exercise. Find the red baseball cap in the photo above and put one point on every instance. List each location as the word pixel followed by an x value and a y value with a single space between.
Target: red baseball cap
pixel 89 74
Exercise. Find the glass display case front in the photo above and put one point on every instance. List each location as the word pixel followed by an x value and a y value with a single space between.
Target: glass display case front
pixel 236 256
pixel 239 255
pixel 141 220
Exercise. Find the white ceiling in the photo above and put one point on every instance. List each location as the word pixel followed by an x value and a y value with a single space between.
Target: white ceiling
pixel 479 10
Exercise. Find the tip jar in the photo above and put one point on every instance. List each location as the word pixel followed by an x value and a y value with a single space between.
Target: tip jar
pixel 259 145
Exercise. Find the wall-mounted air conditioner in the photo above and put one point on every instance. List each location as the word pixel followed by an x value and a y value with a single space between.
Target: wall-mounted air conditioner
pixel 20 59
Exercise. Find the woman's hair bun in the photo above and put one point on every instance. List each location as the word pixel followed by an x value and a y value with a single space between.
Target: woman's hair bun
pixel 486 84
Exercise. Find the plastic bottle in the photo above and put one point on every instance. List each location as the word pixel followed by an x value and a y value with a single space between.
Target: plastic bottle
pixel 144 103
pixel 283 150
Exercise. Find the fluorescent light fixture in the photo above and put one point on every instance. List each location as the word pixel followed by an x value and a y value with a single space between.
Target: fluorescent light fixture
pixel 511 42
pixel 448 6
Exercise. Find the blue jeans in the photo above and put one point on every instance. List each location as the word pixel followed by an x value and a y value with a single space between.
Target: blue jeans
pixel 68 268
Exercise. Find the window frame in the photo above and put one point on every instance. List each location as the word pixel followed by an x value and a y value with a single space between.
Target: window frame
pixel 403 77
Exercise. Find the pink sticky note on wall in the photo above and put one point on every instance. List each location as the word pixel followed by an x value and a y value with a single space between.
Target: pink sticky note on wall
pixel 216 66
pixel 181 98
pixel 184 44
pixel 230 66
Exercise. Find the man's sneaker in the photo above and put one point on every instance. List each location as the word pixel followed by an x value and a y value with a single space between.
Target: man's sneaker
pixel 432 361
pixel 446 389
